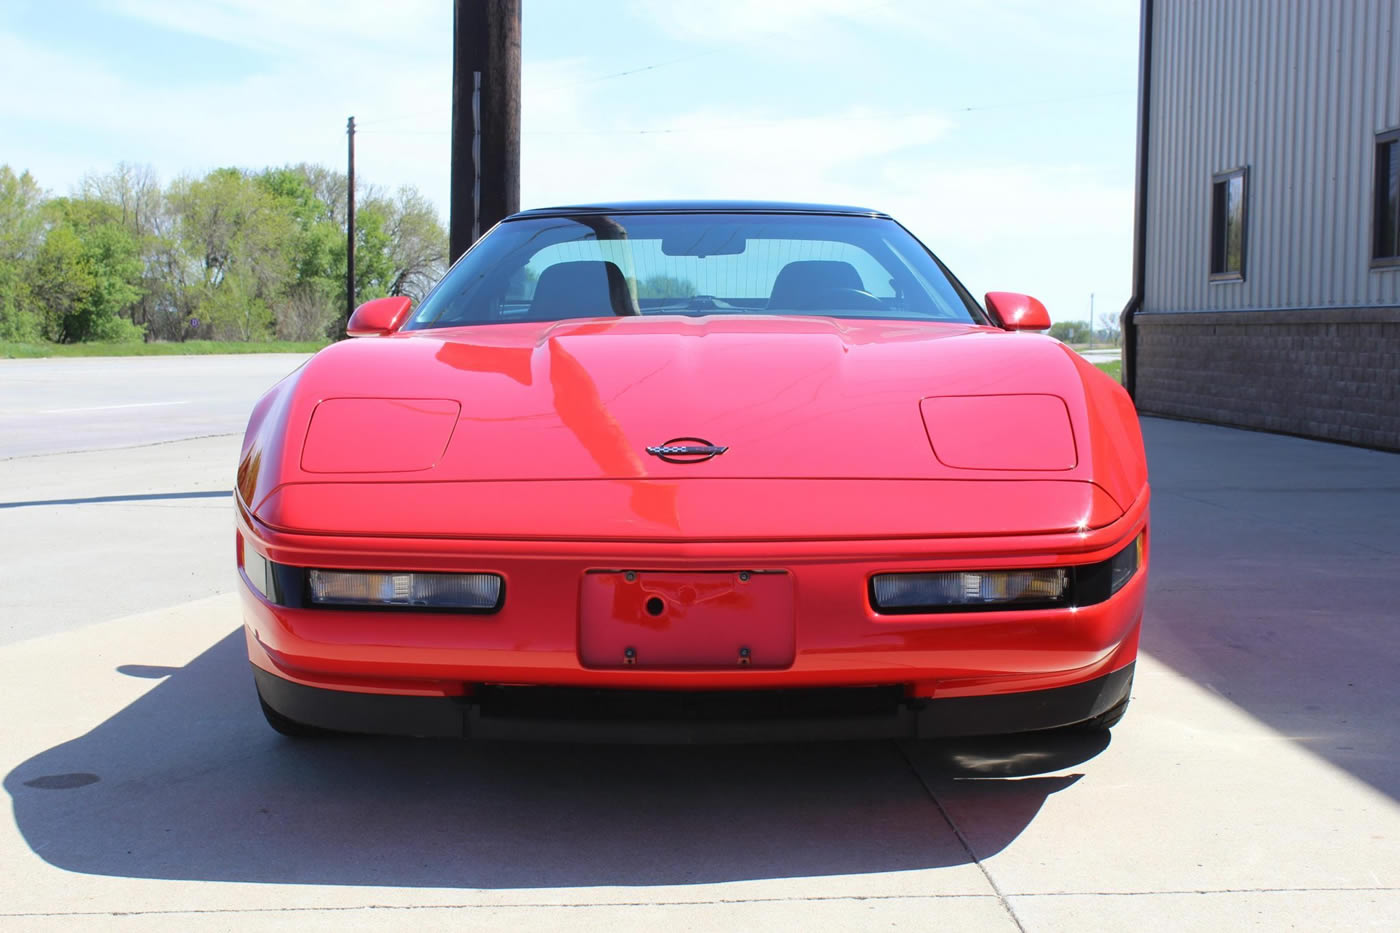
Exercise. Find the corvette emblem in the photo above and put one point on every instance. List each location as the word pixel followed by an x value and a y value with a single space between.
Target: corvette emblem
pixel 686 450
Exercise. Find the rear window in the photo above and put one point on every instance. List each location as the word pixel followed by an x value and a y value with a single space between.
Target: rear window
pixel 592 265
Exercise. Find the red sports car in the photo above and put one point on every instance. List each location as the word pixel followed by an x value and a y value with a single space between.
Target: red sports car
pixel 694 471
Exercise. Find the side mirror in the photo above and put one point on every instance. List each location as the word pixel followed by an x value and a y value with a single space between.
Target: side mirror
pixel 380 316
pixel 1015 311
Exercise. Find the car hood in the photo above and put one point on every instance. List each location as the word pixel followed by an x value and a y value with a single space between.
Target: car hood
pixel 788 397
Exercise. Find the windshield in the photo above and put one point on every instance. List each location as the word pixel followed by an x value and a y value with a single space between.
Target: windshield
pixel 596 265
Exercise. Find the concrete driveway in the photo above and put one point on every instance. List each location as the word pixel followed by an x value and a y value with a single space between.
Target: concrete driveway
pixel 1252 786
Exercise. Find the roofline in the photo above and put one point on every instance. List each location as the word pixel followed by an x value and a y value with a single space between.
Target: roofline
pixel 699 207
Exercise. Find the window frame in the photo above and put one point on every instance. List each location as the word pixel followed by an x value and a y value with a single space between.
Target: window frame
pixel 1233 275
pixel 1387 138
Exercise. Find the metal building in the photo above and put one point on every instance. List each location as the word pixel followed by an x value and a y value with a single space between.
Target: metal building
pixel 1267 275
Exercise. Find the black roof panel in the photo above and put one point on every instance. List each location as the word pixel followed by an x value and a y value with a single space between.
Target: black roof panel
pixel 698 207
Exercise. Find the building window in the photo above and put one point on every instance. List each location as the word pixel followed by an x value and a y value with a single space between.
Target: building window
pixel 1227 221
pixel 1385 223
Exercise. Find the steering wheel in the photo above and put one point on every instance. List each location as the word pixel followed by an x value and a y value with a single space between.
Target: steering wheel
pixel 836 297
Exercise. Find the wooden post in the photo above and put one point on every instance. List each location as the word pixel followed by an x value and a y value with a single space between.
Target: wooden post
pixel 485 118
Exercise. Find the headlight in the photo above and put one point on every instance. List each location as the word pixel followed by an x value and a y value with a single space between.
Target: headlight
pixel 934 592
pixel 972 590
pixel 468 591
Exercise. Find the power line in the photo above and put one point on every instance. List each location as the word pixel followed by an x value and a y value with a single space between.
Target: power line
pixel 557 87
pixel 725 49
pixel 682 130
pixel 1046 100
pixel 636 71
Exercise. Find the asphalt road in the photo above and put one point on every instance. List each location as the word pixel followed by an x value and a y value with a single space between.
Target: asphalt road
pixel 1252 786
pixel 94 403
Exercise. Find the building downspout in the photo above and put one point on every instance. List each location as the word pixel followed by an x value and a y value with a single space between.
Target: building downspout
pixel 1140 203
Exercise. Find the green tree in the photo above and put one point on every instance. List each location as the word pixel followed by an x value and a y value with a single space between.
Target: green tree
pixel 21 232
pixel 400 244
pixel 234 310
pixel 417 244
pixel 374 267
pixel 309 305
pixel 135 195
pixel 1071 331
pixel 665 286
pixel 86 274
pixel 234 254
pixel 238 238
pixel 60 280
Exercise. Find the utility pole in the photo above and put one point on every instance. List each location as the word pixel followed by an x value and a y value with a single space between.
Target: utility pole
pixel 350 224
pixel 1091 319
pixel 485 118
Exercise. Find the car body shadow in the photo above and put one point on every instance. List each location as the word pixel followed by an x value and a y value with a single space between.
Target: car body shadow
pixel 187 782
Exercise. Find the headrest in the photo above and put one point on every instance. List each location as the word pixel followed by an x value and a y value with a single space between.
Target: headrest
pixel 588 288
pixel 798 283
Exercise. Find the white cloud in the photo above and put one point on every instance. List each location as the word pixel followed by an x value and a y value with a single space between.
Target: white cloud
pixel 320 28
pixel 983 203
pixel 1035 220
pixel 1058 233
pixel 292 107
pixel 768 20
pixel 794 27
pixel 723 154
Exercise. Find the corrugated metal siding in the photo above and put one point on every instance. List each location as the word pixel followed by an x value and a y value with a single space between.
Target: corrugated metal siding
pixel 1296 90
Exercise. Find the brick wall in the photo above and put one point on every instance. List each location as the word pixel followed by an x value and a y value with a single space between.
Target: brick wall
pixel 1332 374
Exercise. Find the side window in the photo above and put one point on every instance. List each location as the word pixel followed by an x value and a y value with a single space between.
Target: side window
pixel 1385 222
pixel 1228 218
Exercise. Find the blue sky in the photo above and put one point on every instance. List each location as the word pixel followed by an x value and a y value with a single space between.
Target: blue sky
pixel 1000 132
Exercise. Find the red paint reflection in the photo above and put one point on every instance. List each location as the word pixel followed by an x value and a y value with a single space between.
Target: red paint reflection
pixel 482 358
pixel 582 411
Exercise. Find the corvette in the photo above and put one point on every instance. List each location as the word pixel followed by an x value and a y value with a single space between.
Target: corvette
pixel 694 471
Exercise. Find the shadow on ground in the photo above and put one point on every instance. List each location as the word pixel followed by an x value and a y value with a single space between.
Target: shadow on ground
pixel 1275 563
pixel 189 783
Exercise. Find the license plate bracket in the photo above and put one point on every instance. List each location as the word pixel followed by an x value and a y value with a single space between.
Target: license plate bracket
pixel 660 619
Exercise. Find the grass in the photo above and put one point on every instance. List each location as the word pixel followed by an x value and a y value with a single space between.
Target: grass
pixel 1113 367
pixel 188 348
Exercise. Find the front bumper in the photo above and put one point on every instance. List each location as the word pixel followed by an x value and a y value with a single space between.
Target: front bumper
pixel 840 640
pixel 641 717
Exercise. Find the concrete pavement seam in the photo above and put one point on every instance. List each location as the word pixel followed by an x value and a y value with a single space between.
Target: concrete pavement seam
pixel 704 903
pixel 967 846
pixel 92 450
pixel 518 906
pixel 1203 891
pixel 1273 522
